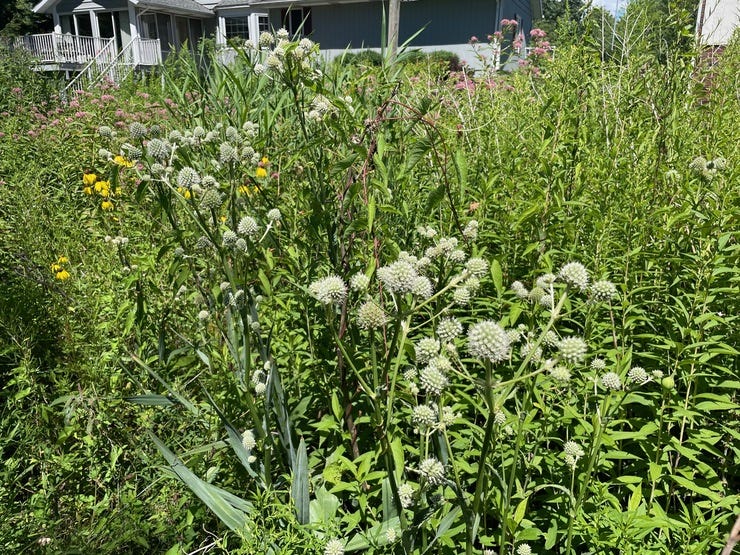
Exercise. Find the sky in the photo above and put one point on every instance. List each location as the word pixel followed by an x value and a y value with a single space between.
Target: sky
pixel 611 5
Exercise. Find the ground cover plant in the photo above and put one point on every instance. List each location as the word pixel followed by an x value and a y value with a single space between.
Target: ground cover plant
pixel 282 306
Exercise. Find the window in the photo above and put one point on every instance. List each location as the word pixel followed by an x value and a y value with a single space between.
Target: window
pixel 84 24
pixel 237 28
pixel 148 26
pixel 263 22
pixel 295 19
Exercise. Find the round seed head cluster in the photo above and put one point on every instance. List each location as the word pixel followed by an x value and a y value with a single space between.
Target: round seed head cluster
pixel 426 349
pixel 105 131
pixel 472 284
pixel 229 238
pixel 457 256
pixel 519 290
pixel 598 364
pixel 398 277
pixel 448 417
pixel 158 149
pixel 203 243
pixel 329 290
pixel 242 245
pixel 448 329
pixel 406 495
pixel 266 39
pixel 560 374
pixel 433 471
pixel 433 380
pixel 447 244
pixel 359 282
pixel 137 130
pixel 573 449
pixel 572 350
pixel 657 374
pixel 422 287
pixel 638 375
pixel 371 316
pixel 335 546
pixel 544 300
pixel 488 341
pixel 232 133
pixel 499 418
pixel 227 154
pixel 274 215
pixel 424 415
pixel 441 363
pixel 603 291
pixel 248 440
pixel 477 267
pixel 471 230
pixel 203 315
pixel 611 380
pixel 211 200
pixel 247 227
pixel 545 281
pixel 551 339
pixel 523 549
pixel 575 275
pixel 461 296
pixel 528 348
pixel 187 178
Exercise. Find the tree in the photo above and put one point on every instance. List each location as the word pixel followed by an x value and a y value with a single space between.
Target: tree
pixel 17 18
pixel 563 19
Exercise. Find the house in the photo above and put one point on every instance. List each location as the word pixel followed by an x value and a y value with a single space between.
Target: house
pixel 102 35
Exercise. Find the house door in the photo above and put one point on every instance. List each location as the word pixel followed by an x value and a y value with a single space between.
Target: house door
pixel 109 25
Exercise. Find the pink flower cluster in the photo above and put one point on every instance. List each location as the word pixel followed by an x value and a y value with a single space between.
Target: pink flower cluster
pixel 509 23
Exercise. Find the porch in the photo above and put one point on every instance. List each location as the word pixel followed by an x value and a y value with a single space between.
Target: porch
pixel 64 51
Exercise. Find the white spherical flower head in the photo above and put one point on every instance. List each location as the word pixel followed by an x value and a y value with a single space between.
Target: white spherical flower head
pixel 524 549
pixel 461 296
pixel 229 238
pixel 488 341
pixel 329 290
pixel 187 178
pixel 266 39
pixel 572 350
pixel 457 256
pixel 203 315
pixel 137 130
pixel 371 316
pixel 598 364
pixel 248 227
pixel 422 287
pixel 426 349
pixel 638 375
pixel 334 547
pixel 433 380
pixel 448 329
pixel 477 267
pixel 248 440
pixel 471 230
pixel 545 281
pixel 433 471
pixel 573 449
pixel 274 215
pixel 424 415
pixel 560 374
pixel 603 291
pixel 398 277
pixel 611 380
pixel 282 34
pixel 359 282
pixel 406 495
pixel 228 154
pixel 575 275
pixel 519 290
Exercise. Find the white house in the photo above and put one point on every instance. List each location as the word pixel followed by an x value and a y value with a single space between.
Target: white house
pixel 716 21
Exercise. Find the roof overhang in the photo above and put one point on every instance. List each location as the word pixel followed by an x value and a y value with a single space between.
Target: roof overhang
pixel 182 7
pixel 283 3
pixel 45 6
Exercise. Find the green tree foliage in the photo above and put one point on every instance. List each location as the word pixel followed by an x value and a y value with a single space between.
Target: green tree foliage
pixel 657 27
pixel 563 19
pixel 17 18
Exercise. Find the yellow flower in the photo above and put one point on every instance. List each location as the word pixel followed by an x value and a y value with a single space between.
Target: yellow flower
pixel 121 161
pixel 89 179
pixel 106 205
pixel 56 268
pixel 87 190
pixel 247 190
pixel 265 160
pixel 261 172
pixel 62 275
pixel 62 260
pixel 184 192
pixel 101 186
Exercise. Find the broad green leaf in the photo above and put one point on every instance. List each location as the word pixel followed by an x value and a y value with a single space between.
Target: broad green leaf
pixel 299 487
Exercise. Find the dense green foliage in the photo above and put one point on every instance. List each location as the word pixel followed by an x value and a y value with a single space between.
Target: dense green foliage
pixel 234 307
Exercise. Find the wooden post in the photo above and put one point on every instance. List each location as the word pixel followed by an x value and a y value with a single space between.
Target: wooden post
pixel 394 16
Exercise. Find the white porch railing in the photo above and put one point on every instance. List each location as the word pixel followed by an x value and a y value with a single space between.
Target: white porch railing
pixel 66 49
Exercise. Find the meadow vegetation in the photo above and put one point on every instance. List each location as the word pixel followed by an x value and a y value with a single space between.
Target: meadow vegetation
pixel 285 306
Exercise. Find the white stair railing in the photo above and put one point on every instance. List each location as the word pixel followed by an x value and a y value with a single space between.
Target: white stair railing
pixel 97 65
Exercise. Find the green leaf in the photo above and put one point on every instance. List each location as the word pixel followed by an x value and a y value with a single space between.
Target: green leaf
pixel 299 487
pixel 151 400
pixel 323 509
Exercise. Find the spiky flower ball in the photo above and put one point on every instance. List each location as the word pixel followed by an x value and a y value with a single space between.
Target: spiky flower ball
pixel 247 227
pixel 433 380
pixel 334 546
pixel 406 495
pixel 472 284
pixel 137 130
pixel 158 149
pixel 248 440
pixel 424 415
pixel 329 290
pixel 359 282
pixel 398 277
pixel 519 290
pixel 426 349
pixel 371 316
pixel 545 281
pixel 523 549
pixel 204 315
pixel 203 243
pixel 572 452
pixel 598 364
pixel 471 230
pixel 105 131
pixel 477 267
pixel 572 350
pixel 560 374
pixel 488 341
pixel 211 200
pixel 227 154
pixel 448 329
pixel 551 339
pixel 229 238
pixel 575 275
pixel 432 471
pixel 457 256
pixel 274 215
pixel 638 375
pixel 461 296
pixel 187 178
pixel 611 380
pixel 603 291
pixel 441 363
pixel 422 287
